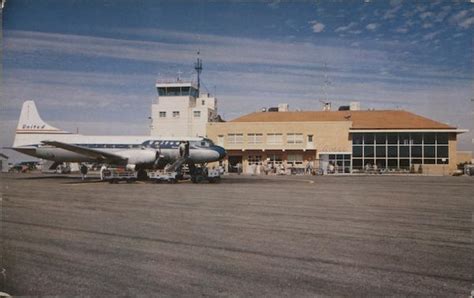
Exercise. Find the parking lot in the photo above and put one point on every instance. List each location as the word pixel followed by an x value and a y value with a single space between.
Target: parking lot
pixel 247 236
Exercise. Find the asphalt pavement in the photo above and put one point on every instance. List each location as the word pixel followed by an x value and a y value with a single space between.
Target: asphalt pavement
pixel 247 236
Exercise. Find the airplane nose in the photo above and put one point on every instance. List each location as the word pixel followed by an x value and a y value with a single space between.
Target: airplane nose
pixel 221 151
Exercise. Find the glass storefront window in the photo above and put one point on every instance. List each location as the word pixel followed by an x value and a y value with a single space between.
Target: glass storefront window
pixel 380 138
pixel 369 151
pixel 392 138
pixel 404 139
pixel 255 159
pixel 357 164
pixel 357 139
pixel 393 163
pixel 368 138
pixel 404 163
pixel 380 151
pixel 416 151
pixel 442 151
pixel 442 138
pixel 429 138
pixel 392 151
pixel 404 151
pixel 380 163
pixel 417 138
pixel 429 151
pixel 357 151
pixel 400 150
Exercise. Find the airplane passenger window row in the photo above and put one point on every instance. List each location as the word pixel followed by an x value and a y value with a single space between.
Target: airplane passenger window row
pixel 110 146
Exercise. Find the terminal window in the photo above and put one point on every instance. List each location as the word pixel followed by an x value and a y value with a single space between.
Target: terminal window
pixel 399 150
pixel 275 138
pixel 235 138
pixel 255 138
pixel 294 138
pixel 295 159
pixel 255 159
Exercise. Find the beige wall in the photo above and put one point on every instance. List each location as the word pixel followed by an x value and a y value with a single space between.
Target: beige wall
pixel 327 136
pixel 453 161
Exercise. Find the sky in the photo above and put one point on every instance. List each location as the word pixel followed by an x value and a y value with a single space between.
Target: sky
pixel 91 65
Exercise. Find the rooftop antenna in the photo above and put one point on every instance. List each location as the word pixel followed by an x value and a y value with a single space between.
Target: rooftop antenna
pixel 198 68
pixel 324 87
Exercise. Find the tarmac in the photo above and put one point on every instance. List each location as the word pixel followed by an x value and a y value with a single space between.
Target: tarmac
pixel 246 236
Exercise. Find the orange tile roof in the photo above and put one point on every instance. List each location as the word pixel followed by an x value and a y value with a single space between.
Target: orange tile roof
pixel 388 119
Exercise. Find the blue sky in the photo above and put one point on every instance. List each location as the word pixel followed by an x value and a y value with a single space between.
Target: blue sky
pixel 93 64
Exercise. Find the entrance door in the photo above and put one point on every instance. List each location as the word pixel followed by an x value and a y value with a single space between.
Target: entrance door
pixel 233 161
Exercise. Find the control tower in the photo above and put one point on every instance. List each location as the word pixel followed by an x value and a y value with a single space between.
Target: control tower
pixel 181 110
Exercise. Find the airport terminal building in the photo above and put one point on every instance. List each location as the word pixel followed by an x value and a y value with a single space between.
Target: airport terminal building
pixel 346 141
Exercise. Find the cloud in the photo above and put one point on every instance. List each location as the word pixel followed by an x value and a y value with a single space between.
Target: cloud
pixel 463 19
pixel 426 14
pixel 401 30
pixel 371 26
pixel 466 23
pixel 345 28
pixel 431 35
pixel 317 27
pixel 391 13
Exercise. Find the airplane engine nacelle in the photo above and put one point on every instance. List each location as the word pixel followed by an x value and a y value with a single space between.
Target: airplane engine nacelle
pixel 139 156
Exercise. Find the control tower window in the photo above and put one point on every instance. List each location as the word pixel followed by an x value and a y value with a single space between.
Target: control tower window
pixel 177 91
pixel 173 91
pixel 185 91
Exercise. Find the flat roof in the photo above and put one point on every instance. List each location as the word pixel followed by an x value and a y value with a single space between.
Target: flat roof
pixel 382 119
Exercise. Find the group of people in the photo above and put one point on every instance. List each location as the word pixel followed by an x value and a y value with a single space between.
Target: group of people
pixel 275 169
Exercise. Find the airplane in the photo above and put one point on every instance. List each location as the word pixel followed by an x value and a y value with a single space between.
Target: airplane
pixel 37 138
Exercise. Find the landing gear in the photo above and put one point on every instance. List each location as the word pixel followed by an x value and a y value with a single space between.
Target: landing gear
pixel 142 175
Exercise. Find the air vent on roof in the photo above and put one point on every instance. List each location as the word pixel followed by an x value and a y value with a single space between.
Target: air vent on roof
pixel 273 109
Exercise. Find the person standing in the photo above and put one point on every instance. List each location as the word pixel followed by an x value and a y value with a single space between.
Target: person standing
pixel 83 171
pixel 239 168
pixel 102 169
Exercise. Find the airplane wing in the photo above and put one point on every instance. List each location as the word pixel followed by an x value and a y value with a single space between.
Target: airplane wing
pixel 92 153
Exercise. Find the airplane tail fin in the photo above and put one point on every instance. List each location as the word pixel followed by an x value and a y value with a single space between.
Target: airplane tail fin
pixel 31 125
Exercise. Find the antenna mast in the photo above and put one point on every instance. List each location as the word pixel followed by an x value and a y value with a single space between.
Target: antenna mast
pixel 324 87
pixel 198 68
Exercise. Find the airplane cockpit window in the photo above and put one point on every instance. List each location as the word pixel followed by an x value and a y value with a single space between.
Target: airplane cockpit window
pixel 206 143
